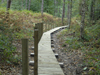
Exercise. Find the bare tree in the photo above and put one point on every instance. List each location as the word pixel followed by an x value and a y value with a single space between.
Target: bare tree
pixel 82 19
pixel 69 12
pixel 55 7
pixel 22 4
pixel 42 7
pixel 63 11
pixel 92 10
pixel 80 7
pixel 8 7
pixel 55 3
pixel 26 4
pixel 8 4
pixel 29 4
pixel 59 4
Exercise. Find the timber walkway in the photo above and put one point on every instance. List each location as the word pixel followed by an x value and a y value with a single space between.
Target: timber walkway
pixel 47 62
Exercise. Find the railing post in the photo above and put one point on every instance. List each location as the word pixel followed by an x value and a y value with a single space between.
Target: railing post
pixel 47 27
pixel 25 65
pixel 44 28
pixel 36 51
pixel 39 26
pixel 53 25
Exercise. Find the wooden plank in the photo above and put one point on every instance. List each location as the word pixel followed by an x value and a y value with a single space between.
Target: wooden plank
pixel 51 65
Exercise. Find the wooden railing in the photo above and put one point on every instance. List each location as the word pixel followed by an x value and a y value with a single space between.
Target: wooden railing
pixel 38 31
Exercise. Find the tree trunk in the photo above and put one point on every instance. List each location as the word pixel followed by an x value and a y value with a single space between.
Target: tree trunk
pixel 8 4
pixel 29 4
pixel 8 7
pixel 82 20
pixel 22 4
pixel 55 5
pixel 59 9
pixel 42 6
pixel 69 12
pixel 92 10
pixel 63 12
pixel 26 4
pixel 80 7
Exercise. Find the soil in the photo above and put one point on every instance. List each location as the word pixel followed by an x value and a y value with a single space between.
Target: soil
pixel 16 69
pixel 72 59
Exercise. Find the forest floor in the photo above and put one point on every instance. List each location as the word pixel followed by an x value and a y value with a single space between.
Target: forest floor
pixel 16 68
pixel 72 59
pixel 80 57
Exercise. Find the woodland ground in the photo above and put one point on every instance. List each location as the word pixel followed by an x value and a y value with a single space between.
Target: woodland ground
pixel 79 56
pixel 72 59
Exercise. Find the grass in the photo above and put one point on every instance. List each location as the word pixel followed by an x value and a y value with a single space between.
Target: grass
pixel 90 46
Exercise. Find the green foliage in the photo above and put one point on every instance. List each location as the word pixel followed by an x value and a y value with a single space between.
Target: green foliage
pixel 74 43
pixel 3 4
pixel 17 5
pixel 21 25
pixel 0 73
pixel 6 39
pixel 15 60
pixel 87 37
pixel 90 46
pixel 6 47
pixel 35 5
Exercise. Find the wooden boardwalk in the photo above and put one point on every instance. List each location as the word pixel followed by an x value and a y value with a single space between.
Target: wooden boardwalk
pixel 47 62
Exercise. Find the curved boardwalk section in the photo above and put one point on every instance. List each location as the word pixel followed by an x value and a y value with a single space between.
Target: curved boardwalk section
pixel 47 62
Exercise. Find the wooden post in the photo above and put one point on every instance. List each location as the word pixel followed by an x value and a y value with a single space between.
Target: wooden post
pixel 53 25
pixel 48 26
pixel 39 26
pixel 25 65
pixel 36 51
pixel 43 28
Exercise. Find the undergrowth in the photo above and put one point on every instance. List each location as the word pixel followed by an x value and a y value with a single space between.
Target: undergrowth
pixel 90 46
pixel 18 25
